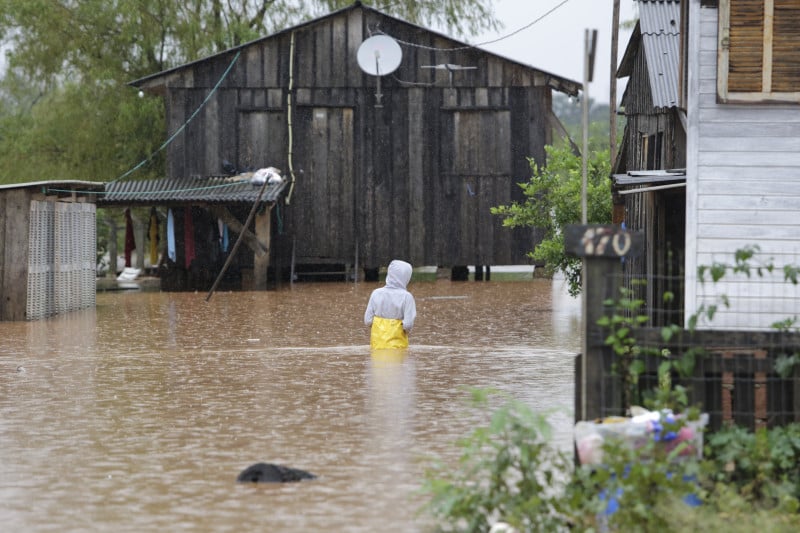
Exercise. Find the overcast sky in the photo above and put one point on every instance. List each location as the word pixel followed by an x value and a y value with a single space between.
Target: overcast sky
pixel 556 42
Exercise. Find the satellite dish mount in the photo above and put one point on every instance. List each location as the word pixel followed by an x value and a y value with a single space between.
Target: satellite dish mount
pixel 378 56
pixel 450 68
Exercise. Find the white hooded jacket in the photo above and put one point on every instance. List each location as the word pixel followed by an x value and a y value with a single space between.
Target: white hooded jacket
pixel 393 300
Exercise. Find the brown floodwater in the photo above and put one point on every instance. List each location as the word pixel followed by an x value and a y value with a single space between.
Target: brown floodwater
pixel 137 415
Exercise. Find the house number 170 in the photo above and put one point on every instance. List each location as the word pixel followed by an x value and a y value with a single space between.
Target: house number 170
pixel 595 241
pixel 601 240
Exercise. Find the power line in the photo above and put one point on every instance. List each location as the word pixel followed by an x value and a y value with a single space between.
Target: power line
pixel 183 126
pixel 459 48
pixel 524 27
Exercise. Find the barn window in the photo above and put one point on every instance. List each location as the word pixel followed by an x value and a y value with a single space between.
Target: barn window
pixel 482 143
pixel 759 51
pixel 654 151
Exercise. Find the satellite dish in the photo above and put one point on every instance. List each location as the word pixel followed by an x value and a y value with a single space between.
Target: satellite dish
pixel 379 55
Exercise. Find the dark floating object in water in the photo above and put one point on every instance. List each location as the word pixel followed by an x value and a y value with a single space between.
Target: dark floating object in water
pixel 270 473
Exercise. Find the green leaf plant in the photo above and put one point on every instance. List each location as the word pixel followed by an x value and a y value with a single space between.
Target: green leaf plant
pixel 507 471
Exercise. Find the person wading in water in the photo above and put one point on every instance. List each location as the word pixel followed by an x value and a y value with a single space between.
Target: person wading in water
pixel 391 310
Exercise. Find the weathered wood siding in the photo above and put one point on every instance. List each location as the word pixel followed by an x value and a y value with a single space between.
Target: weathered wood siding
pixel 743 188
pixel 654 140
pixel 415 178
pixel 14 222
pixel 643 119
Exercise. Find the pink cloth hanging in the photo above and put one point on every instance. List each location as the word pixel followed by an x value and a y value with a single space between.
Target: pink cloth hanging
pixel 188 236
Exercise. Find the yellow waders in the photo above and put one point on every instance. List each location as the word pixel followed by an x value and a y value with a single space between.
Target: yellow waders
pixel 387 333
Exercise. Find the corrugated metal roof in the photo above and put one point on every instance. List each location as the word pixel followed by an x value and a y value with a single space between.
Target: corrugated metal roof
pixel 660 22
pixel 66 185
pixel 214 189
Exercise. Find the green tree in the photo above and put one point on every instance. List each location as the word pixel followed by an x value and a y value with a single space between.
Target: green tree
pixel 553 200
pixel 67 111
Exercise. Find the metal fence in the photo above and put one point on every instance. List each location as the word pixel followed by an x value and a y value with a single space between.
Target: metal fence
pixel 61 259
pixel 750 378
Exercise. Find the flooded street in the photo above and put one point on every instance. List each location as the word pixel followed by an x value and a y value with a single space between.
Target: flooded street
pixel 138 415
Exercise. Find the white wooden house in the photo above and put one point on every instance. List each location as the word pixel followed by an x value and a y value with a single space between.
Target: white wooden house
pixel 742 97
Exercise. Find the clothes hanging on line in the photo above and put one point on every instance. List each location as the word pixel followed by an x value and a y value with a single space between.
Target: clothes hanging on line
pixel 188 237
pixel 130 241
pixel 223 236
pixel 171 235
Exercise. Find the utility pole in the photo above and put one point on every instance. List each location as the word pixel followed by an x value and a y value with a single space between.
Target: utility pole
pixel 588 69
pixel 589 44
pixel 612 100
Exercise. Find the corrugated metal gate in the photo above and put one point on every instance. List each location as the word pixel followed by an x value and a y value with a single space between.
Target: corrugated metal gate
pixel 61 259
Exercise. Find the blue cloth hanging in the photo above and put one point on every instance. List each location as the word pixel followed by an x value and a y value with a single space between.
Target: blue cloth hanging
pixel 171 236
pixel 223 236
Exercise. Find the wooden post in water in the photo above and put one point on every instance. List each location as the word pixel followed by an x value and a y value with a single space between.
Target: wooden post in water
pixel 261 262
pixel 601 247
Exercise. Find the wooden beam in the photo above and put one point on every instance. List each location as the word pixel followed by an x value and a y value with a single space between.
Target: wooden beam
pixel 249 238
pixel 261 263
pixel 612 99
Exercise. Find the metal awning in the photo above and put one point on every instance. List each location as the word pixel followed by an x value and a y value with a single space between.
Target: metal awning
pixel 641 177
pixel 636 181
pixel 57 185
pixel 211 190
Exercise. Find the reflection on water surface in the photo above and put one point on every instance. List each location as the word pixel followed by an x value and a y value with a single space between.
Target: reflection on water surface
pixel 139 414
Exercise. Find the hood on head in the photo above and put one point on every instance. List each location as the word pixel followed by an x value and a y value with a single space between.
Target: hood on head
pixel 398 274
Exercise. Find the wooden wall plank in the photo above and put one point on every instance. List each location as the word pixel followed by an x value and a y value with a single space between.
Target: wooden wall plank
pixel 398 135
pixel 273 59
pixel 227 127
pixel 304 60
pixel 338 49
pixel 14 224
pixel 355 36
pixel 253 58
pixel 323 55
pixel 416 172
pixel 432 158
pixel 176 116
pixel 194 133
pixel 346 180
pixel 328 129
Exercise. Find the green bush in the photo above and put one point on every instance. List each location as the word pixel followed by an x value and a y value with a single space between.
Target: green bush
pixel 762 466
pixel 510 472
pixel 507 471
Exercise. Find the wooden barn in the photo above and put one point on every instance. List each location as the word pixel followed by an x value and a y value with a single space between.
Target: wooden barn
pixel 405 164
pixel 47 248
pixel 650 170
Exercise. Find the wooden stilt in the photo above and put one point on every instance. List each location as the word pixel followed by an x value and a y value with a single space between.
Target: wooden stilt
pixel 291 268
